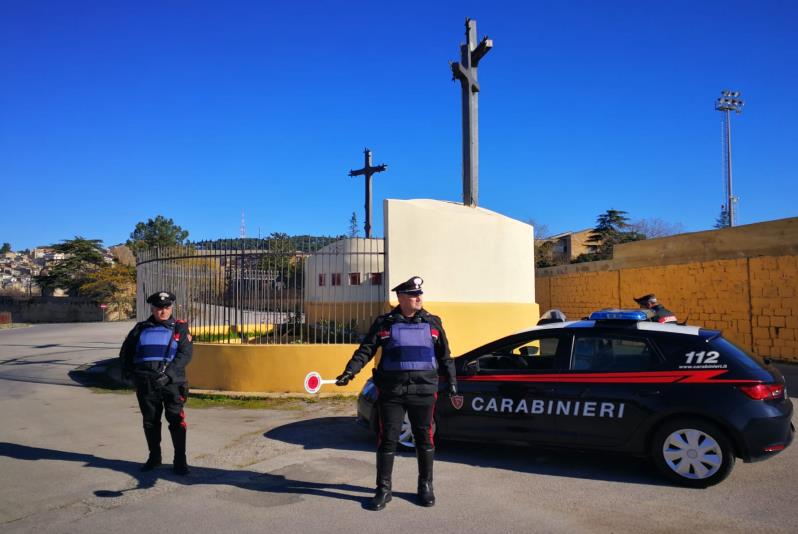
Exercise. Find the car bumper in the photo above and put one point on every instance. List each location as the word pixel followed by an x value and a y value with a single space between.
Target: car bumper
pixel 766 437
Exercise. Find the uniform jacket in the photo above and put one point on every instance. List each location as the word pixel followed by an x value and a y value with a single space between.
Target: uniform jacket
pixel 662 314
pixel 399 382
pixel 176 370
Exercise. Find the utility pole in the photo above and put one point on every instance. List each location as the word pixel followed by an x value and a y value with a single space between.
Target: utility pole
pixel 367 171
pixel 729 101
pixel 466 71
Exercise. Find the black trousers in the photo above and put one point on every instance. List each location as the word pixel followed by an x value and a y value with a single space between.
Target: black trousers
pixel 155 401
pixel 420 411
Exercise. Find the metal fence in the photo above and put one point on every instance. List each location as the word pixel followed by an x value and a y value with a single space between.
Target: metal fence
pixel 274 290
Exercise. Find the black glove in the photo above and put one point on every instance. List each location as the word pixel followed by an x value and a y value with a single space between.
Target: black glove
pixel 161 380
pixel 452 390
pixel 344 378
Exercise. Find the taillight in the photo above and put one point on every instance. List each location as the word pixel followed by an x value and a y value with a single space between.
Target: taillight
pixel 764 391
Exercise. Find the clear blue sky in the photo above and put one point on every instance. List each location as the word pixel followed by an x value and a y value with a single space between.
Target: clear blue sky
pixel 115 112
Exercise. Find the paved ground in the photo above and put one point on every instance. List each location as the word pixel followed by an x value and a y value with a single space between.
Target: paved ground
pixel 69 458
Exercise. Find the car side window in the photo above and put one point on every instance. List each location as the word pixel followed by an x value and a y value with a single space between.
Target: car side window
pixel 523 356
pixel 613 354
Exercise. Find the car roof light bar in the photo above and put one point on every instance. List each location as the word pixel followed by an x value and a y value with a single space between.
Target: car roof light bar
pixel 618 315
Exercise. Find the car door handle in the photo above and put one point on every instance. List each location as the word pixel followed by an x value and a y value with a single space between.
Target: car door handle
pixel 544 391
pixel 648 392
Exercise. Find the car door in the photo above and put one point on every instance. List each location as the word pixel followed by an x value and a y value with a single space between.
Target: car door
pixel 505 390
pixel 609 389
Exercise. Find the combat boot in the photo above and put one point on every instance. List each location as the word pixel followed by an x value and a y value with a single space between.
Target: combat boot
pixel 180 465
pixel 153 435
pixel 426 457
pixel 384 471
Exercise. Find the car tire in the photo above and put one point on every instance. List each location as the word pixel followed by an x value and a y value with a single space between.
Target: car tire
pixel 692 452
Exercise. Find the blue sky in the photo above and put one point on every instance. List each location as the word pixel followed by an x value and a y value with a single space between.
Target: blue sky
pixel 115 112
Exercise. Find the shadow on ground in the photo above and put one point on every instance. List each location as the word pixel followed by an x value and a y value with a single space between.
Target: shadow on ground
pixel 342 433
pixel 247 480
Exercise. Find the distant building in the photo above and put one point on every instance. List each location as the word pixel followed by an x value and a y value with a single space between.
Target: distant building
pixel 565 247
pixel 345 280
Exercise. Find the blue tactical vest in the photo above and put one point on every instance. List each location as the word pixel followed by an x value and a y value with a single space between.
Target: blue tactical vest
pixel 410 348
pixel 153 343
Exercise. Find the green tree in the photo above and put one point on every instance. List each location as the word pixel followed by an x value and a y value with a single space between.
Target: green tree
pixel 612 228
pixel 723 219
pixel 5 248
pixel 112 283
pixel 158 232
pixel 353 226
pixel 81 258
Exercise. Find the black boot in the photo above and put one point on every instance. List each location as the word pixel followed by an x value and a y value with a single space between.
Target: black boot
pixel 384 470
pixel 425 460
pixel 153 435
pixel 180 465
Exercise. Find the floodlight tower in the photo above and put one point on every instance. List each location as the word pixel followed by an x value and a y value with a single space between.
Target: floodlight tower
pixel 729 101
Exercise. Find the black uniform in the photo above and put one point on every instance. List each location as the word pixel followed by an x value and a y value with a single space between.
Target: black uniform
pixel 414 352
pixel 659 314
pixel 155 355
pixel 414 391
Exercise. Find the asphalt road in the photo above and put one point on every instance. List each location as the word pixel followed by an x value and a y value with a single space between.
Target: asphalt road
pixel 69 458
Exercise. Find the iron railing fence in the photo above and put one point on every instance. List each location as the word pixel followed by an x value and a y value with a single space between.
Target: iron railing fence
pixel 267 291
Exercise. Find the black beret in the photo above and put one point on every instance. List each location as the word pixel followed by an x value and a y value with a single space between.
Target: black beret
pixel 162 299
pixel 646 298
pixel 411 286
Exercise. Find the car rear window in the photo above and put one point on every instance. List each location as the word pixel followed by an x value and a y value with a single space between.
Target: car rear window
pixel 740 356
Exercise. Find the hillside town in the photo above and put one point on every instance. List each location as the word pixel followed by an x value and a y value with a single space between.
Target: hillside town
pixel 19 269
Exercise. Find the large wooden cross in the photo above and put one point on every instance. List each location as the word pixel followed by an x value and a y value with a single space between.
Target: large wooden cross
pixel 466 72
pixel 367 171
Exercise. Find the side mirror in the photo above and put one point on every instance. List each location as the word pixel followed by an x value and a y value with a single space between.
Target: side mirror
pixel 472 367
pixel 529 350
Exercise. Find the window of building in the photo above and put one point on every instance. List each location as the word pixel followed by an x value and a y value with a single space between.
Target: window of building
pixel 354 279
pixel 376 279
pixel 322 279
pixel 335 279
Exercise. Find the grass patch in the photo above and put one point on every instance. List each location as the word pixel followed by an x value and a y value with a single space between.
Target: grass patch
pixel 202 400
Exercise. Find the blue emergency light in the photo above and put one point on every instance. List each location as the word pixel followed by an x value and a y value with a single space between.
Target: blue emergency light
pixel 618 315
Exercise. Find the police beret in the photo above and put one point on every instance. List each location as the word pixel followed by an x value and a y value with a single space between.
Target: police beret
pixel 646 298
pixel 162 299
pixel 412 286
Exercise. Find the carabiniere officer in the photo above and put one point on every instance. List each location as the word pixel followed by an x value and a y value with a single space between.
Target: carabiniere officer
pixel 414 350
pixel 155 354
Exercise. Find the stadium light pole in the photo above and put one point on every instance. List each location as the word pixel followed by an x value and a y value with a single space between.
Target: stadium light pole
pixel 729 101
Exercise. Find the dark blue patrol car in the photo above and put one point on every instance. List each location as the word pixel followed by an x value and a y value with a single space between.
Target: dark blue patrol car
pixel 683 395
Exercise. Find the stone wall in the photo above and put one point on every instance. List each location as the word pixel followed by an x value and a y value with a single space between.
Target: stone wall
pixel 751 294
pixel 51 310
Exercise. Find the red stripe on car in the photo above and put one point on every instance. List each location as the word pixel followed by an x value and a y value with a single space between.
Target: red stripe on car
pixel 649 377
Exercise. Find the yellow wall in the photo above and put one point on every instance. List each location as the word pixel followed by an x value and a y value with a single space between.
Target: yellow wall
pixel 754 301
pixel 282 368
pixel 270 368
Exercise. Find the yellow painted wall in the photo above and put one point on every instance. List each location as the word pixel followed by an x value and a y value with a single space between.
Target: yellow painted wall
pixel 754 301
pixel 270 368
pixel 282 368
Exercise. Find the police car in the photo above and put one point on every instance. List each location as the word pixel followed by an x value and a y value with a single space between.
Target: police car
pixel 683 395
